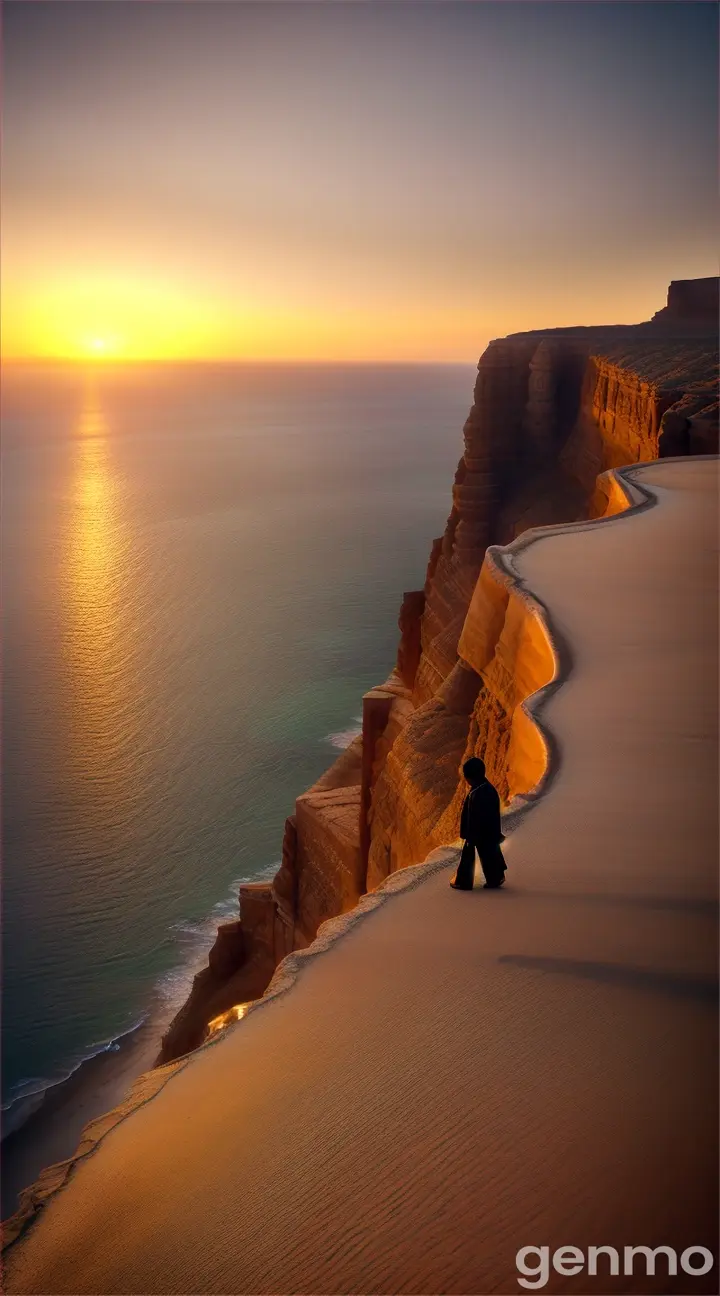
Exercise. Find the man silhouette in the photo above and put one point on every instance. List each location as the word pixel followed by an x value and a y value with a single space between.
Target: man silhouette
pixel 480 828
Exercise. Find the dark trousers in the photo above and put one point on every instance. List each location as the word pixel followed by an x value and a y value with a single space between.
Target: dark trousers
pixel 491 859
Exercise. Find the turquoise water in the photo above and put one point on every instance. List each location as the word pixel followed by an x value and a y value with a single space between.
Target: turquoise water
pixel 203 568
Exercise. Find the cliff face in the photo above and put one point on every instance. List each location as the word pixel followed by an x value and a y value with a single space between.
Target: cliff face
pixel 552 411
pixel 691 302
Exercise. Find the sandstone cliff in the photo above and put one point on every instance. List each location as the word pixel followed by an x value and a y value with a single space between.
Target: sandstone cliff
pixel 552 411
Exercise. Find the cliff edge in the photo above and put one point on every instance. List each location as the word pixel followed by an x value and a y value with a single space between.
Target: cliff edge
pixel 553 410
pixel 444 1081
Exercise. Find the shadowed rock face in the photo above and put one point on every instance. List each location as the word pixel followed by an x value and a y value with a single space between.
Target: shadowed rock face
pixel 691 301
pixel 552 410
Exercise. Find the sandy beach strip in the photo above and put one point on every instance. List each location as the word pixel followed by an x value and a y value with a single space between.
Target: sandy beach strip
pixel 462 1075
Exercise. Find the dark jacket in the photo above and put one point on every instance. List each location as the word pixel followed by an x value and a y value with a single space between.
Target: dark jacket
pixel 480 819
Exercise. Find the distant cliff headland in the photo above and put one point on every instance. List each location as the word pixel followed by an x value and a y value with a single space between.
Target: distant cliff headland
pixel 553 410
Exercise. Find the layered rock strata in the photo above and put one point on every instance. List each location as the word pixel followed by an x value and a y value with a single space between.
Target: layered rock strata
pixel 552 411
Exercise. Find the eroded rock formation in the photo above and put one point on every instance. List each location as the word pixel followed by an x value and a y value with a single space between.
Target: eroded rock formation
pixel 691 302
pixel 552 411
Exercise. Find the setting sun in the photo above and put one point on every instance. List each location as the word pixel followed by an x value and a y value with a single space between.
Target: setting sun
pixel 103 348
pixel 106 315
pixel 152 224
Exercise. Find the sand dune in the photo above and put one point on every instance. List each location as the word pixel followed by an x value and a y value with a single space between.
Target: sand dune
pixel 461 1075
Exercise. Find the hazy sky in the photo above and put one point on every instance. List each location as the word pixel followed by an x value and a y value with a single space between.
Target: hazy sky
pixel 349 180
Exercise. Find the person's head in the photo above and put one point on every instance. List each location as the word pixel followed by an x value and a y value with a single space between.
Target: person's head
pixel 474 770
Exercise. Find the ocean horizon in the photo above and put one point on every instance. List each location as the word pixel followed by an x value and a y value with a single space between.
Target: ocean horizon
pixel 203 570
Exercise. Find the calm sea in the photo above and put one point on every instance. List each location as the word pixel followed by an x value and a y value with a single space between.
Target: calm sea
pixel 202 571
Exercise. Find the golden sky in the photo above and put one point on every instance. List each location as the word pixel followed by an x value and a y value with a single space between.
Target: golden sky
pixel 352 182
